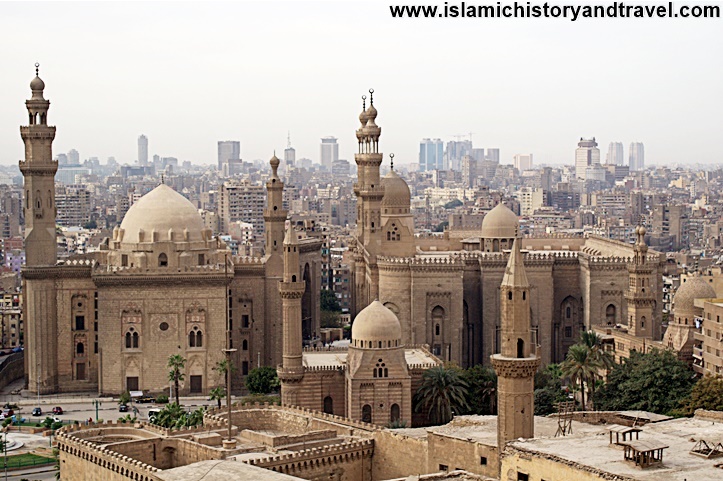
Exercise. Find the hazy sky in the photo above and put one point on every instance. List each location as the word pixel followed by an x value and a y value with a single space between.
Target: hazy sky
pixel 189 74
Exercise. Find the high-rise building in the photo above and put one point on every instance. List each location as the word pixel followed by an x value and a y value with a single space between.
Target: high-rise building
pixel 73 157
pixel 289 156
pixel 523 162
pixel 431 155
pixel 143 150
pixel 74 204
pixel 636 156
pixel 228 150
pixel 493 155
pixel 456 150
pixel 615 154
pixel 586 155
pixel 469 170
pixel 329 152
pixel 242 201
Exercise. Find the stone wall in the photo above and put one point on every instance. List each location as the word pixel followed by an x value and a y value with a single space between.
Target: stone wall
pixel 12 369
pixel 397 455
pixel 461 454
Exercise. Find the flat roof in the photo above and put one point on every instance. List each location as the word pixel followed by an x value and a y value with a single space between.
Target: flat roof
pixel 338 358
pixel 679 435
pixel 221 470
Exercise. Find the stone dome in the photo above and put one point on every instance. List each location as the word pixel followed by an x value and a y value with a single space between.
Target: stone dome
pixel 162 210
pixel 376 323
pixel 37 84
pixel 500 223
pixel 690 290
pixel 396 191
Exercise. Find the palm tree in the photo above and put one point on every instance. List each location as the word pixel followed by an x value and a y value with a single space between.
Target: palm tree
pixel 217 394
pixel 176 362
pixel 442 393
pixel 580 366
pixel 593 343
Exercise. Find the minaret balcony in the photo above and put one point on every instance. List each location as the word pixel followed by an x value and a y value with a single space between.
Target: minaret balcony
pixel 515 367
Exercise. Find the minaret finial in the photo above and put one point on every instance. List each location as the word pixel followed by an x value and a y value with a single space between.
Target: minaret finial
pixel 364 102
pixel 163 179
pixel 371 96
pixel 37 69
pixel 391 160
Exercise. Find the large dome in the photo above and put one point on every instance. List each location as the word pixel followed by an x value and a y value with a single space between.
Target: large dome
pixel 162 210
pixel 396 191
pixel 690 290
pixel 500 223
pixel 376 323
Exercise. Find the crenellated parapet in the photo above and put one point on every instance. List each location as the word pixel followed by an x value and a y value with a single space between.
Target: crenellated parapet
pixel 307 459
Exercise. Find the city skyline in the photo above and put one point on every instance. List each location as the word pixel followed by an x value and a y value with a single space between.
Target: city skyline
pixel 204 79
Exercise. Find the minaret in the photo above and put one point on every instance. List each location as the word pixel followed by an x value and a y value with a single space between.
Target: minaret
pixel 640 295
pixel 368 188
pixel 38 169
pixel 291 289
pixel 517 361
pixel 274 214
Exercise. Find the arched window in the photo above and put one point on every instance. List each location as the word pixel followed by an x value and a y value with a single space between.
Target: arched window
pixel 520 348
pixel 394 413
pixel 386 372
pixel 568 312
pixel 80 348
pixel 524 295
pixel 293 278
pixel 199 339
pixel 191 339
pixel 366 413
pixel 642 322
pixel 610 314
pixel 436 330
pixel 245 345
pixel 128 340
pixel 162 260
pixel 509 295
pixel 328 405
pixel 136 340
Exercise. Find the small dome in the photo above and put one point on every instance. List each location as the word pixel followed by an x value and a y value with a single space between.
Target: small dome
pixel 37 84
pixel 500 223
pixel 690 290
pixel 396 191
pixel 363 118
pixel 376 323
pixel 162 210
pixel 371 112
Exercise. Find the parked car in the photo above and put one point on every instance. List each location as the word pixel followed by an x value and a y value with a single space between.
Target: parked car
pixel 8 412
pixel 146 399
pixel 37 412
pixel 153 414
pixel 122 408
pixel 57 410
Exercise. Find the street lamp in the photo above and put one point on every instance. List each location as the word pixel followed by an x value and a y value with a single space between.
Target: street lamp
pixel 96 403
pixel 5 450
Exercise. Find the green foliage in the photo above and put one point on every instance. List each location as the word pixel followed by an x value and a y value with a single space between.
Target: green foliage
pixel 176 362
pixel 328 301
pixel 481 390
pixel 48 422
pixel 580 366
pixel 174 416
pixel 330 319
pixel 91 225
pixel 162 399
pixel 127 419
pixel 441 226
pixel 547 397
pixel 218 394
pixel 453 203
pixel 655 381
pixel 398 424
pixel 261 399
pixel 707 393
pixel 262 380
pixel 442 393
pixel 6 422
pixel 125 398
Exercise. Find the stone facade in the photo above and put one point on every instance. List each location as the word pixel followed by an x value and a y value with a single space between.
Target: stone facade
pixel 161 285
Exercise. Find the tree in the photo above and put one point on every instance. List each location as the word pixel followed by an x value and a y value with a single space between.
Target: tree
pixel 218 394
pixel 548 390
pixel 453 203
pixel 330 319
pixel 176 362
pixel 481 389
pixel 442 393
pixel 706 394
pixel 262 380
pixel 441 226
pixel 174 416
pixel 328 301
pixel 600 357
pixel 124 398
pixel 655 381
pixel 580 366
